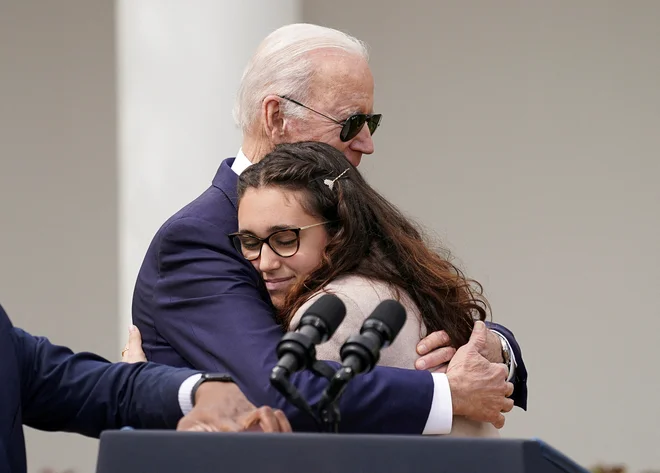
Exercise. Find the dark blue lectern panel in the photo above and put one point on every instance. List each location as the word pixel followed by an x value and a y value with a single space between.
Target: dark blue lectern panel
pixel 179 452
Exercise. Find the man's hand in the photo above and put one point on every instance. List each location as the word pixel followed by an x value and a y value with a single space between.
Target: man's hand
pixel 132 352
pixel 219 407
pixel 479 389
pixel 435 352
pixel 493 350
pixel 222 407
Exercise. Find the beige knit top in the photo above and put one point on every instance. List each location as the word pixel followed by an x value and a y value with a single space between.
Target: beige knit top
pixel 361 296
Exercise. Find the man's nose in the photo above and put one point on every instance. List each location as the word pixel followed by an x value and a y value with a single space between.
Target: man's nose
pixel 363 142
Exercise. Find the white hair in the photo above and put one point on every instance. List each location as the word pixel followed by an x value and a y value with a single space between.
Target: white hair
pixel 280 67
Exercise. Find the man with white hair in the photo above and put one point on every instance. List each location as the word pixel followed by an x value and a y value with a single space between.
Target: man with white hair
pixel 299 65
pixel 198 303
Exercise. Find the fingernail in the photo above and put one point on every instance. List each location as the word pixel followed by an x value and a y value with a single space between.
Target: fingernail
pixel 420 364
pixel 421 349
pixel 132 328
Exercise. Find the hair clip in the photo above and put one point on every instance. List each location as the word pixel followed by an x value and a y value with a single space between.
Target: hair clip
pixel 331 183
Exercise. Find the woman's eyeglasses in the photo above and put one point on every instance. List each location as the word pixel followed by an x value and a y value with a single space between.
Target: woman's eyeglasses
pixel 284 243
pixel 352 125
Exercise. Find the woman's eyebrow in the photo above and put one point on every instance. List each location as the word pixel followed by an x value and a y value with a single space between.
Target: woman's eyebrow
pixel 272 228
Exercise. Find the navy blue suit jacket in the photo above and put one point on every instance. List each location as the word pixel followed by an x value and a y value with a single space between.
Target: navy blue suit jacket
pixel 198 303
pixel 48 387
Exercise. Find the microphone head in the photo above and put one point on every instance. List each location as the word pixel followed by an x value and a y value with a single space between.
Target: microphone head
pixel 387 318
pixel 327 313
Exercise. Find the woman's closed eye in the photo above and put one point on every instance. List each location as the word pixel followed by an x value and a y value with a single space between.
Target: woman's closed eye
pixel 249 242
pixel 285 241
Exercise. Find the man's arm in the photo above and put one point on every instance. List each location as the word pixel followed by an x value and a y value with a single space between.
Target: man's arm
pixel 209 308
pixel 519 371
pixel 86 394
pixel 469 359
pixel 435 352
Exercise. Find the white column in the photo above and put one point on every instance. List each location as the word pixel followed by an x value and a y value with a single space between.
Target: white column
pixel 179 66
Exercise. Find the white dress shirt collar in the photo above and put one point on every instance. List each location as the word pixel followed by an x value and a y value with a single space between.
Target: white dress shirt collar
pixel 241 163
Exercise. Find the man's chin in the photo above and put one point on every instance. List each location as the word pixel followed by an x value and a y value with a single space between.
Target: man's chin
pixel 354 159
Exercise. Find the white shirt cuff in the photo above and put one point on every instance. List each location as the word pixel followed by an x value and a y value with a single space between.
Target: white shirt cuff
pixel 441 413
pixel 512 371
pixel 185 392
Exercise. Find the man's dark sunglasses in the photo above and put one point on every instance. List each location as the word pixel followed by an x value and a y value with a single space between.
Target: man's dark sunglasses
pixel 351 126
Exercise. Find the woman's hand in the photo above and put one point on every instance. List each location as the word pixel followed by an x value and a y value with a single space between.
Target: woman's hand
pixel 435 352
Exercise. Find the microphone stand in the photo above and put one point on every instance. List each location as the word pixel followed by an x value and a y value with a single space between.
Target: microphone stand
pixel 279 379
pixel 327 415
pixel 363 354
pixel 329 412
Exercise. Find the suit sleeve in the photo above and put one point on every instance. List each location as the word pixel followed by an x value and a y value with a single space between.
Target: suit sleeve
pixel 210 309
pixel 519 380
pixel 86 394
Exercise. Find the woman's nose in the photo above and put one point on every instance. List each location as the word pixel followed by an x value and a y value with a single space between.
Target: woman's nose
pixel 269 260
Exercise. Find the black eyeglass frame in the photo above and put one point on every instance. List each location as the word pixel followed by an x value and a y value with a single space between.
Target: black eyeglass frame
pixel 352 126
pixel 236 242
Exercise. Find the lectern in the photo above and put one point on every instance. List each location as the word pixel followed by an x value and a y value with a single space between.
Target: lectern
pixel 145 451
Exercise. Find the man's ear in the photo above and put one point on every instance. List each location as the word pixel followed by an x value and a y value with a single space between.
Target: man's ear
pixel 274 122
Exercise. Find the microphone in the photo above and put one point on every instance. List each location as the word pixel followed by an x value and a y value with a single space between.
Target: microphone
pixel 296 351
pixel 360 353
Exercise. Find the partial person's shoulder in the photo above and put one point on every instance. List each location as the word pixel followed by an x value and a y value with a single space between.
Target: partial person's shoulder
pixel 359 294
pixel 360 289
pixel 212 208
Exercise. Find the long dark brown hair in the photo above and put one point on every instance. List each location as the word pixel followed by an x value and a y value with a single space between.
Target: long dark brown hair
pixel 368 236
